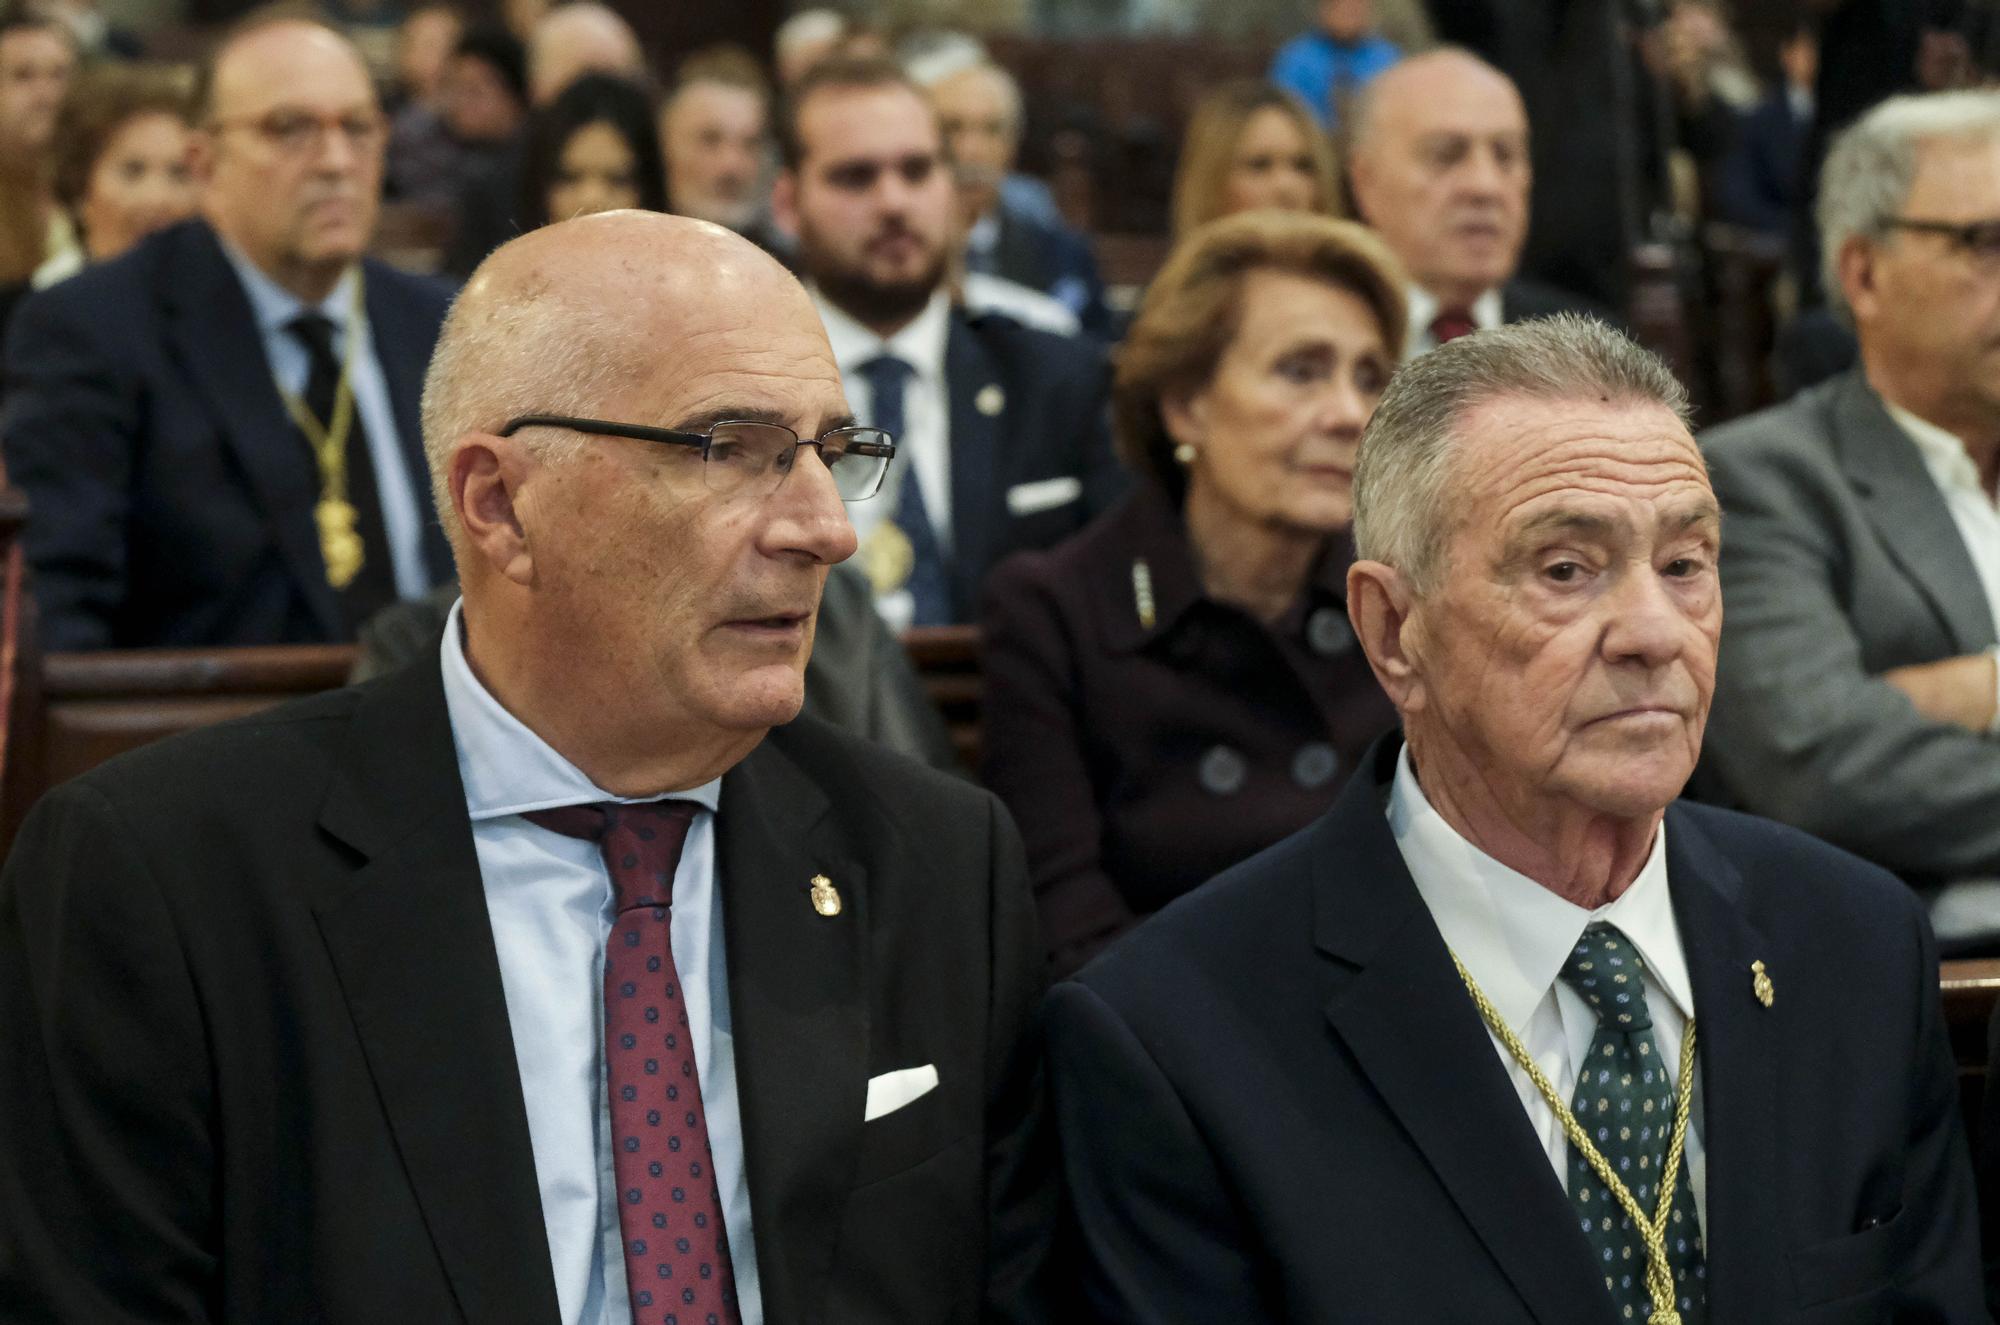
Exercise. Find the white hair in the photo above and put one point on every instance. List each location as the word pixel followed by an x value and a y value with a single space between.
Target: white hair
pixel 1401 517
pixel 807 28
pixel 1869 170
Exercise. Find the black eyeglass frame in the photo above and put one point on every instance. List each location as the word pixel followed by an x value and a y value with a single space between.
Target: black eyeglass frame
pixel 885 451
pixel 1973 236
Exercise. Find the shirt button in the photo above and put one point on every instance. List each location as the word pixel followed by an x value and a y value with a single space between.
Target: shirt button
pixel 1314 765
pixel 1223 771
pixel 1327 631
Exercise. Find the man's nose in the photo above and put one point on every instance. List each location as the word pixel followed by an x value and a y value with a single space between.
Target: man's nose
pixel 808 514
pixel 1646 625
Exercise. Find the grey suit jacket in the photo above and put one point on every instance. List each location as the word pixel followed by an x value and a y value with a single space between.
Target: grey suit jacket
pixel 1840 561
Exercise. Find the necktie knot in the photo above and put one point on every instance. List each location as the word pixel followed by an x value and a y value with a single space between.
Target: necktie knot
pixel 315 332
pixel 1606 968
pixel 1452 323
pixel 888 372
pixel 641 844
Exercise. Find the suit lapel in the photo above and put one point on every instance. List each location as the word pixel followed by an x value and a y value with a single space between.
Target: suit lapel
pixel 798 1003
pixel 413 950
pixel 1404 1014
pixel 1737 1049
pixel 214 333
pixel 971 377
pixel 1908 511
pixel 403 342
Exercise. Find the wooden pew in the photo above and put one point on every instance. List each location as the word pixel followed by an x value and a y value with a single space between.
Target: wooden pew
pixel 1970 989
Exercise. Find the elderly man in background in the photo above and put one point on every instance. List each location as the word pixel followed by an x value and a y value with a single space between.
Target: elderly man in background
pixel 533 982
pixel 218 431
pixel 1435 1058
pixel 1439 163
pixel 1860 697
pixel 715 128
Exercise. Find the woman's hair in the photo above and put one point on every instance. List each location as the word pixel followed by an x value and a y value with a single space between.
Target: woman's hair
pixel 592 99
pixel 1193 309
pixel 99 103
pixel 500 50
pixel 1210 147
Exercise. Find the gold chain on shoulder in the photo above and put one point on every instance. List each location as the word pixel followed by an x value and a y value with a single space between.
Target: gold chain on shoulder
pixel 1653 1229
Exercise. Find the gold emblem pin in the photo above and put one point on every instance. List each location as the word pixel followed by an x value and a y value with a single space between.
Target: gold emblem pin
pixel 990 400
pixel 1760 983
pixel 825 897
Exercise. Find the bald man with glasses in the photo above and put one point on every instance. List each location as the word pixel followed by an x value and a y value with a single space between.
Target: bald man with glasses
pixel 218 431
pixel 563 976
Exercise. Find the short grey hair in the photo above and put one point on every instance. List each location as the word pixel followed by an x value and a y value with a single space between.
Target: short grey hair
pixel 538 353
pixel 1869 170
pixel 1401 516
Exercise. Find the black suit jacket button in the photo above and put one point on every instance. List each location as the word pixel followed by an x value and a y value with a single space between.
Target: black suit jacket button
pixel 1314 765
pixel 1327 632
pixel 1223 771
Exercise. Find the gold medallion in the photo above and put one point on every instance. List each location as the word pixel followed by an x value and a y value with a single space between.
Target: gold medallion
pixel 1760 984
pixel 990 400
pixel 886 557
pixel 339 544
pixel 825 897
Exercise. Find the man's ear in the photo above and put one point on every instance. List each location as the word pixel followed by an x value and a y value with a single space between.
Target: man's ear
pixel 486 477
pixel 1858 273
pixel 1381 606
pixel 785 202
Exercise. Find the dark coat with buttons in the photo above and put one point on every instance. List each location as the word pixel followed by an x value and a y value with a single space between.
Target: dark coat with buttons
pixel 1145 746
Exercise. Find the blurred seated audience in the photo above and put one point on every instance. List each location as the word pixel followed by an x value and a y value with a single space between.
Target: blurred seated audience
pixel 424 41
pixel 715 127
pixel 1250 145
pixel 1176 687
pixel 122 142
pixel 1329 65
pixel 1858 689
pixel 436 150
pixel 1760 183
pixel 979 104
pixel 568 41
pixel 218 431
pixel 593 149
pixel 96 35
pixel 803 40
pixel 859 676
pixel 1001 429
pixel 1438 160
pixel 37 60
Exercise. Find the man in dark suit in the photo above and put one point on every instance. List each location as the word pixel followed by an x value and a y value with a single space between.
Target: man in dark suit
pixel 1424 1060
pixel 218 431
pixel 1760 182
pixel 1438 160
pixel 1858 693
pixel 416 1002
pixel 1005 442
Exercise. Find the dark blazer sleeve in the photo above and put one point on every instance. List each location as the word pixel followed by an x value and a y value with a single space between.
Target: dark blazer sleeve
pixel 69 428
pixel 1033 758
pixel 108 1217
pixel 1157 1233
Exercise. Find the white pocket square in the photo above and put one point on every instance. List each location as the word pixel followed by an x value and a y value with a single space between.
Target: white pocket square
pixel 1043 494
pixel 892 1090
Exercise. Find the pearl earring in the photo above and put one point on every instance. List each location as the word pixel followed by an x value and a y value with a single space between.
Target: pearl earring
pixel 1184 453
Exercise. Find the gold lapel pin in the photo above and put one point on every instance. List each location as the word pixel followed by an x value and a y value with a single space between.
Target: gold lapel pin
pixel 825 897
pixel 990 400
pixel 1760 983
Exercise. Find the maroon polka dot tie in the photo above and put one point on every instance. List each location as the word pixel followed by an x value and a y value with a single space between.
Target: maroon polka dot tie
pixel 1450 324
pixel 669 1208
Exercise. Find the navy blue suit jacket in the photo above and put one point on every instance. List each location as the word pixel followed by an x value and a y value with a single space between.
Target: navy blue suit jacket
pixel 1277 1101
pixel 171 498
pixel 1028 410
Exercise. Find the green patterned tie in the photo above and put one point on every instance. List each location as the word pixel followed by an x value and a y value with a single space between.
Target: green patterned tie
pixel 1625 1102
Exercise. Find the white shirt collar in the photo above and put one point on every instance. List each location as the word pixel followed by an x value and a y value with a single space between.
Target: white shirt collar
pixel 1487 313
pixel 920 343
pixel 274 306
pixel 505 767
pixel 1512 933
pixel 1944 455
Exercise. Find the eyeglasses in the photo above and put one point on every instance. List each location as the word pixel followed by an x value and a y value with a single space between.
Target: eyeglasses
pixel 739 455
pixel 1981 239
pixel 299 134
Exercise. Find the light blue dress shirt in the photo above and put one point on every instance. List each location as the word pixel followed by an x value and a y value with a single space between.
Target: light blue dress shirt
pixel 274 307
pixel 549 899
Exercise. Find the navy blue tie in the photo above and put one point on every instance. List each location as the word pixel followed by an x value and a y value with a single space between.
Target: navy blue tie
pixel 929 584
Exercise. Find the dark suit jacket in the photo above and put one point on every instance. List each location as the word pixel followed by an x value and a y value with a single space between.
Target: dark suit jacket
pixel 1760 183
pixel 255 1063
pixel 1142 759
pixel 1277 1101
pixel 1841 561
pixel 1031 454
pixel 172 497
pixel 1054 260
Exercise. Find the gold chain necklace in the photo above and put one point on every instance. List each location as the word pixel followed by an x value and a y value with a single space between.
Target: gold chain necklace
pixel 340 544
pixel 1659 1270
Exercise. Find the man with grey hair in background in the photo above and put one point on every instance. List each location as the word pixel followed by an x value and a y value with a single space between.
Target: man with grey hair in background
pixel 542 980
pixel 1859 697
pixel 1513 1035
